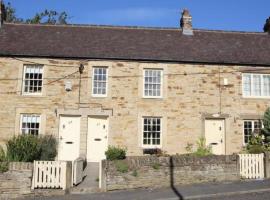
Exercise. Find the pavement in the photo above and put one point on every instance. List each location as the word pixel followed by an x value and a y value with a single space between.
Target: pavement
pixel 255 189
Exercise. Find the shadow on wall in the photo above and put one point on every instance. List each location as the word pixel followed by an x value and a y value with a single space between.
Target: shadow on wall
pixel 176 192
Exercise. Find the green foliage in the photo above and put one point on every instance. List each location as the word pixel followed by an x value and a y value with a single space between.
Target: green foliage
pixel 121 166
pixel 23 148
pixel 134 173
pixel 45 17
pixel 266 27
pixel 115 153
pixel 202 149
pixel 266 124
pixel 156 166
pixel 27 148
pixel 256 145
pixel 48 148
pixel 3 161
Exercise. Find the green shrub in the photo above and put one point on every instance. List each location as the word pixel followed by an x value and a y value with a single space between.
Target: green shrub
pixel 202 149
pixel 121 166
pixel 3 167
pixel 156 166
pixel 3 156
pixel 134 173
pixel 3 161
pixel 23 148
pixel 48 147
pixel 115 153
pixel 27 148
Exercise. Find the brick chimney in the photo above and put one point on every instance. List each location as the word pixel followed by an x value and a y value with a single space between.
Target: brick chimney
pixel 266 27
pixel 186 23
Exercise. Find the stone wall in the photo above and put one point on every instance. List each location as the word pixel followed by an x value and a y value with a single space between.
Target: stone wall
pixel 17 181
pixel 151 171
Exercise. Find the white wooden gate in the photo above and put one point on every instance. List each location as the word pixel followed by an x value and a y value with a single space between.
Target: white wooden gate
pixel 251 166
pixel 49 174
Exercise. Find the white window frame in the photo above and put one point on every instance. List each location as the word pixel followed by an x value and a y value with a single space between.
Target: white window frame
pixel 107 80
pixel 151 146
pixel 252 127
pixel 23 81
pixel 161 83
pixel 252 86
pixel 32 115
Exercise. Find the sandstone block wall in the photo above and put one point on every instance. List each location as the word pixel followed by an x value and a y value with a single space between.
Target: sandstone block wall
pixel 17 181
pixel 152 171
pixel 190 95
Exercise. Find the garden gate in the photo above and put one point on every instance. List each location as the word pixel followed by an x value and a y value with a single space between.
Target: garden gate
pixel 251 166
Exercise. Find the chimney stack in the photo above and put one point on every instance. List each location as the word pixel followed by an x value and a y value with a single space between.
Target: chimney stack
pixel 186 23
pixel 266 27
pixel 2 13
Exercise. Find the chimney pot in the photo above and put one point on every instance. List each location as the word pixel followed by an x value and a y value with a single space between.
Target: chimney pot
pixel 186 22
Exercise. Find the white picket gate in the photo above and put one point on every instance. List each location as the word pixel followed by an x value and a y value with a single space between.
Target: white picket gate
pixel 49 174
pixel 251 166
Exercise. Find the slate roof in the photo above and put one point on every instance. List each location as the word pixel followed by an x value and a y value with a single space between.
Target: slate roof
pixel 134 43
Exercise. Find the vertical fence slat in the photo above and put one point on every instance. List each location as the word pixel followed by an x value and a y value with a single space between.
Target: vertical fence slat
pixel 251 166
pixel 49 174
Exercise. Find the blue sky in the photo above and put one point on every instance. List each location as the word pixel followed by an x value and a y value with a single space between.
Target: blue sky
pixel 242 15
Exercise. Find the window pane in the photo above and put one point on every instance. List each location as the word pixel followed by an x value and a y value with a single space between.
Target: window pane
pixel 99 81
pixel 266 85
pixel 30 124
pixel 151 131
pixel 152 82
pixel 33 79
pixel 256 85
pixel 247 84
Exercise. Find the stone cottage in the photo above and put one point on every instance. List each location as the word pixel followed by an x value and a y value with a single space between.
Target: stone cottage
pixel 134 87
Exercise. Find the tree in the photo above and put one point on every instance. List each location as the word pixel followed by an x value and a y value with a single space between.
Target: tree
pixel 266 125
pixel 266 27
pixel 45 17
pixel 10 14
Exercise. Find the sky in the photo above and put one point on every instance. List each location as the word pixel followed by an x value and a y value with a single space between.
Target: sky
pixel 238 15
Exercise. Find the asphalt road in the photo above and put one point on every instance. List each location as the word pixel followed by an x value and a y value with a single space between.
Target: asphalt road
pixel 247 196
pixel 241 190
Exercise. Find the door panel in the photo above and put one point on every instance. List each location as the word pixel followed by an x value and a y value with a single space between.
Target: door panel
pixel 215 135
pixel 97 138
pixel 69 138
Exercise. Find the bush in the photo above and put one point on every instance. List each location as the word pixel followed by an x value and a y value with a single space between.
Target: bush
pixel 3 161
pixel 23 148
pixel 48 148
pixel 115 153
pixel 27 148
pixel 256 145
pixel 202 149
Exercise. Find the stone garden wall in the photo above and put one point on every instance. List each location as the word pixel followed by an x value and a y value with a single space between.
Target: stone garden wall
pixel 151 171
pixel 16 182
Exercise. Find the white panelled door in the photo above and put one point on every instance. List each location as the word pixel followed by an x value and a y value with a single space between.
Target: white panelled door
pixel 69 138
pixel 97 139
pixel 215 135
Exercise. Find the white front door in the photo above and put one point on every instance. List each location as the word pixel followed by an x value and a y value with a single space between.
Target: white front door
pixel 97 139
pixel 215 135
pixel 69 138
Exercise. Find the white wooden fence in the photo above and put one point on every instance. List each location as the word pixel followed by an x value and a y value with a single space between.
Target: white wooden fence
pixel 251 166
pixel 49 174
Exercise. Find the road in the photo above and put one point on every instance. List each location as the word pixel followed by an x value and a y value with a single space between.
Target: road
pixel 247 196
pixel 241 190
